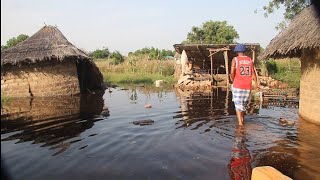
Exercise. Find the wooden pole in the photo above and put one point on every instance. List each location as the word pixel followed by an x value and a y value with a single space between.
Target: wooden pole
pixel 226 61
pixel 254 68
pixel 211 62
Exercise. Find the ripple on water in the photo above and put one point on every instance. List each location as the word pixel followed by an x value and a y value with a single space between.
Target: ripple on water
pixel 194 136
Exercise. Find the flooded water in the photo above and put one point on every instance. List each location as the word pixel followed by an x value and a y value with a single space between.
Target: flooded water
pixel 192 136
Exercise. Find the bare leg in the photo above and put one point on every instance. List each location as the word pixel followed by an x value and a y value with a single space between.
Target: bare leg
pixel 240 118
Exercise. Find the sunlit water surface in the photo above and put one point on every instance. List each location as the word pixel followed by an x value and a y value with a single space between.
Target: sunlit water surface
pixel 194 136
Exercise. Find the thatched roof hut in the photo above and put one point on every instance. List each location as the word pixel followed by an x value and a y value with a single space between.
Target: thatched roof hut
pixel 47 44
pixel 302 39
pixel 302 33
pixel 49 52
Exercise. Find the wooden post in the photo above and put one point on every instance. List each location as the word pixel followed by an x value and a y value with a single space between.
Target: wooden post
pixel 254 68
pixel 226 62
pixel 211 62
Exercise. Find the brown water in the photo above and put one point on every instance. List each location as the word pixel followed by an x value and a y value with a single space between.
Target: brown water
pixel 194 136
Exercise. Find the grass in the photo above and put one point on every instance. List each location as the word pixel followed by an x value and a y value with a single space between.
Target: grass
pixel 137 71
pixel 4 99
pixel 135 78
pixel 285 70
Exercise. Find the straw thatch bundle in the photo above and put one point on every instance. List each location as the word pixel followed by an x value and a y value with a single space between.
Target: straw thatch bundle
pixel 302 33
pixel 47 44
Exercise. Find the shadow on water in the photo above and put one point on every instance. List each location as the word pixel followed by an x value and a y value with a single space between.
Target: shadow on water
pixel 51 121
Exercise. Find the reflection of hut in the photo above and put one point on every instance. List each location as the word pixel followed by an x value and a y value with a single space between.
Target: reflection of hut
pixel 47 64
pixel 209 62
pixel 51 121
pixel 302 39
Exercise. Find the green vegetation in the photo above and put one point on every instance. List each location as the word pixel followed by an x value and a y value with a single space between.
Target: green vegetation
pixel 285 70
pixel 152 53
pixel 13 41
pixel 137 68
pixel 212 32
pixel 136 78
pixel 100 53
pixel 4 99
pixel 292 8
pixel 114 58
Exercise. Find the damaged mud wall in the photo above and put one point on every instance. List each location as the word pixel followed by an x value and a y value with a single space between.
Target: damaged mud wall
pixel 309 105
pixel 38 80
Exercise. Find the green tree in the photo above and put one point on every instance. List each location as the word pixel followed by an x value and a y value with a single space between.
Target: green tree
pixel 100 53
pixel 212 32
pixel 292 8
pixel 117 57
pixel 14 41
pixel 152 53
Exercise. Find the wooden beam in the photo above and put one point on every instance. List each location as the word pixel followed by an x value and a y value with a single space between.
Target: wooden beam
pixel 226 61
pixel 214 50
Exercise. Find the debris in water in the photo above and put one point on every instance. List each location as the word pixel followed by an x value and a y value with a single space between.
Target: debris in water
pixel 285 122
pixel 148 106
pixel 143 122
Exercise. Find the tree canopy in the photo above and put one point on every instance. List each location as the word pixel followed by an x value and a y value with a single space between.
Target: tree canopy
pixel 212 32
pixel 100 53
pixel 14 41
pixel 292 8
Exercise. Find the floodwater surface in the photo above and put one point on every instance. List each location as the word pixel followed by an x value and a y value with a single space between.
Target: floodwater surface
pixel 184 135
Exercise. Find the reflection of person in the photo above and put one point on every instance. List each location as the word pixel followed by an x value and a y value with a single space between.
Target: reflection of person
pixel 242 72
pixel 239 166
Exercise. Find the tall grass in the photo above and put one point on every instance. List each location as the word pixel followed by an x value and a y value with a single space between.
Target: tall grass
pixel 285 70
pixel 137 70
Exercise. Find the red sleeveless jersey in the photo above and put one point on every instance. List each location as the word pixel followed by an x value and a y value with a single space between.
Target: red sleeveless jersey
pixel 243 77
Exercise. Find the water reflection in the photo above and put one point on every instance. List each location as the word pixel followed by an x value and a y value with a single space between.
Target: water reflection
pixel 209 105
pixel 51 121
pixel 193 136
pixel 240 165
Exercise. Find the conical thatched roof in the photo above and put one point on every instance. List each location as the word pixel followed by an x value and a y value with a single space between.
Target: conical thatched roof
pixel 47 44
pixel 303 33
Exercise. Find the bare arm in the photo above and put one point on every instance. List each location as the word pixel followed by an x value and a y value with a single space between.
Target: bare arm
pixel 233 69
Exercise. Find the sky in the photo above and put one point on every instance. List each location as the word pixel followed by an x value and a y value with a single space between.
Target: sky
pixel 127 25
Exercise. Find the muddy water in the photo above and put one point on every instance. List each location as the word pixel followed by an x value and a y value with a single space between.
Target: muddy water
pixel 192 136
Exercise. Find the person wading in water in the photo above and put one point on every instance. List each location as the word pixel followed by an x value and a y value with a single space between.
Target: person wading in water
pixel 242 72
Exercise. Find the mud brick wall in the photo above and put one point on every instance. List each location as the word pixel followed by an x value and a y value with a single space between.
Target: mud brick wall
pixel 39 80
pixel 309 105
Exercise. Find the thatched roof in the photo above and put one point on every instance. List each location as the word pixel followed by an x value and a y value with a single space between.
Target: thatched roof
pixel 47 44
pixel 199 53
pixel 302 33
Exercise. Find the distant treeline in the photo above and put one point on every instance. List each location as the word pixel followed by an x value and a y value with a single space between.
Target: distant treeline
pixel 116 57
pixel 153 53
pixel 13 41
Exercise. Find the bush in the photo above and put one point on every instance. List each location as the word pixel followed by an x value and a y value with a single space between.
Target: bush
pixel 285 70
pixel 98 54
pixel 117 57
pixel 271 66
